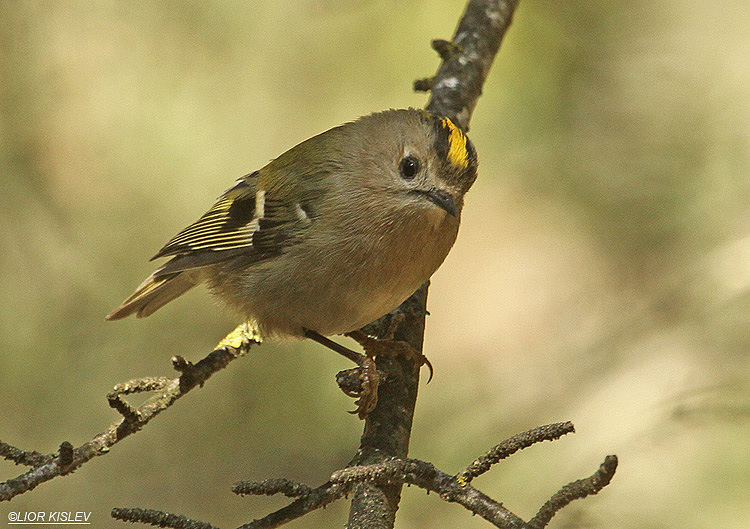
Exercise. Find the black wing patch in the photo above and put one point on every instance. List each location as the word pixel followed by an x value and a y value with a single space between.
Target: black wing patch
pixel 245 222
pixel 277 226
pixel 240 213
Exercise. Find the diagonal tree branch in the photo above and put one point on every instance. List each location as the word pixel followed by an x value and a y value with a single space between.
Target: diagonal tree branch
pixel 158 518
pixel 507 448
pixel 575 491
pixel 68 459
pixel 317 498
pixel 467 59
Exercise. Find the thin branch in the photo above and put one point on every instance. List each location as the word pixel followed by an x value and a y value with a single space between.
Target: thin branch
pixel 158 518
pixel 574 491
pixel 452 489
pixel 315 499
pixel 47 467
pixel 269 487
pixel 482 464
pixel 29 458
pixel 311 500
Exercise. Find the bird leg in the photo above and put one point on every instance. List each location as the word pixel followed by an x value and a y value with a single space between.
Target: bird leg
pixel 388 346
pixel 367 398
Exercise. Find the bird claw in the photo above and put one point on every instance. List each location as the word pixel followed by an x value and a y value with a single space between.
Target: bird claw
pixel 368 395
pixel 387 346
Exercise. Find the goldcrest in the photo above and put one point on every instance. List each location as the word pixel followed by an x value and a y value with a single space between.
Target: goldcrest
pixel 329 236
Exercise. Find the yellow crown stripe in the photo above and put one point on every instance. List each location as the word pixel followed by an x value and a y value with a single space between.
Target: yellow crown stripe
pixel 457 153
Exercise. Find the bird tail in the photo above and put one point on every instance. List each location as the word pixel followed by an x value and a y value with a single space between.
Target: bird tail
pixel 152 294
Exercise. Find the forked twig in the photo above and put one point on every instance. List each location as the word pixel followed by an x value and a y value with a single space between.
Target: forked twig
pixel 68 459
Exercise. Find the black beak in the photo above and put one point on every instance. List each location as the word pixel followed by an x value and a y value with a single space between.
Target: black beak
pixel 442 199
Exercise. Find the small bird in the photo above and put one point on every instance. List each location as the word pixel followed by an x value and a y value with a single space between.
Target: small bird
pixel 331 235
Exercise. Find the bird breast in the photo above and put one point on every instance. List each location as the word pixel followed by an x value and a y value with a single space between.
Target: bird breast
pixel 336 281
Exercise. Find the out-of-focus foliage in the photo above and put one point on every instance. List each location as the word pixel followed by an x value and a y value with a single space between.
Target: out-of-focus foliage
pixel 602 274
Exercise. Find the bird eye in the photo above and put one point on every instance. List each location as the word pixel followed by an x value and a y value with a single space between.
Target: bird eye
pixel 409 167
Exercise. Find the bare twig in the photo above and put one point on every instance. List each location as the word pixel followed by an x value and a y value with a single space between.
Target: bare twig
pixel 315 499
pixel 47 467
pixel 574 491
pixel 482 464
pixel 158 518
pixel 453 489
pixel 467 58
pixel 269 487
pixel 29 458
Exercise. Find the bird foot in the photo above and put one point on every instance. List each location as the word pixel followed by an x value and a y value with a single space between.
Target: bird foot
pixel 367 392
pixel 389 347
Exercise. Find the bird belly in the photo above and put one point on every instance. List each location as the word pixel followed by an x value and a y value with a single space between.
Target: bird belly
pixel 333 294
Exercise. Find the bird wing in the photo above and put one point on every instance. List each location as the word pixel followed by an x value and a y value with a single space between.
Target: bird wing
pixel 246 221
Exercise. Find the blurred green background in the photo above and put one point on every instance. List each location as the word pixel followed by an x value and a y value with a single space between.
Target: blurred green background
pixel 602 274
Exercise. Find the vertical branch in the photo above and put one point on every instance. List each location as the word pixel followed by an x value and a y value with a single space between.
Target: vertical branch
pixel 467 59
pixel 455 90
